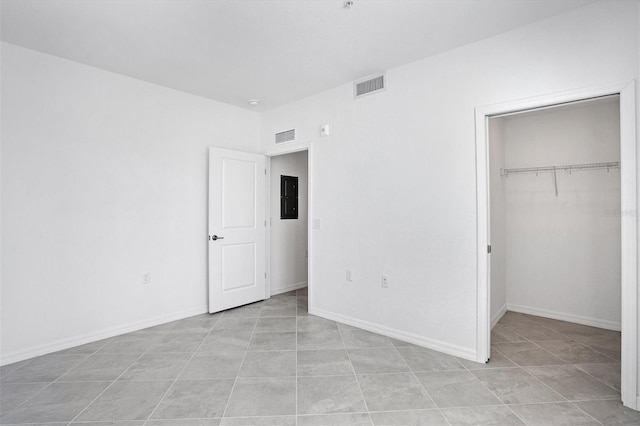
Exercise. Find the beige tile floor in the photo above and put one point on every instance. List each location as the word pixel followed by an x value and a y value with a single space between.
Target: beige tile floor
pixel 270 363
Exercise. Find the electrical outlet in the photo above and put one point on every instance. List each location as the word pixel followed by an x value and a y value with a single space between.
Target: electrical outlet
pixel 349 275
pixel 385 281
pixel 146 278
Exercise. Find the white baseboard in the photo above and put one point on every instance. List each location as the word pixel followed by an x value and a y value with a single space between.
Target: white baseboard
pixel 287 288
pixel 71 342
pixel 593 322
pixel 436 345
pixel 498 315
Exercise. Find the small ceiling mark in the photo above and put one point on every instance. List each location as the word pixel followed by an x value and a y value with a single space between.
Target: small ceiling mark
pixel 347 4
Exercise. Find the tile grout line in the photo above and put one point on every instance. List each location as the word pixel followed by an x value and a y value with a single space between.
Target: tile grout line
pixel 553 390
pixel 567 363
pixel 527 340
pixel 516 414
pixel 535 343
pixel 48 384
pixel 596 420
pixel 110 384
pixel 355 375
pixel 423 387
pixel 555 365
pixel 563 398
pixel 566 337
pixel 193 354
pixel 244 357
pixel 26 361
pixel 566 400
pixel 614 360
pixel 413 373
pixel 296 366
pixel 503 404
pixel 594 377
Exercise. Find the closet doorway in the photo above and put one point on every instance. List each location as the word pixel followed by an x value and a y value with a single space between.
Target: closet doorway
pixel 559 261
pixel 555 213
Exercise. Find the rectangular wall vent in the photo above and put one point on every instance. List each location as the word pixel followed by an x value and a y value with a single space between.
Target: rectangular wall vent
pixel 286 136
pixel 368 86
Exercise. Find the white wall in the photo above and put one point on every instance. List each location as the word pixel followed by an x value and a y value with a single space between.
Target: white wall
pixel 103 178
pixel 563 252
pixel 288 263
pixel 401 167
pixel 498 212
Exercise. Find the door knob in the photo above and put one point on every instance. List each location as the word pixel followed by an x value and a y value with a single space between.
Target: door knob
pixel 215 237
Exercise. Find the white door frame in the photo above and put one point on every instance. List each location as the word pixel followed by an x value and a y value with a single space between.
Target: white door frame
pixel 629 242
pixel 270 155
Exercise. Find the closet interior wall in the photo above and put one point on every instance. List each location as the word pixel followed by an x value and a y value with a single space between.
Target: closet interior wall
pixel 557 256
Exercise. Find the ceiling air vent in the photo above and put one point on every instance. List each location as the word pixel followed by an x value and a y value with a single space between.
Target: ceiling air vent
pixel 286 136
pixel 368 86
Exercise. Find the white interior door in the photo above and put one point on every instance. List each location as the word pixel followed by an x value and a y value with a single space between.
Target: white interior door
pixel 237 244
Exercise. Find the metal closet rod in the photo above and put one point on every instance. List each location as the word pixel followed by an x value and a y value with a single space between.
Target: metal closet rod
pixel 564 168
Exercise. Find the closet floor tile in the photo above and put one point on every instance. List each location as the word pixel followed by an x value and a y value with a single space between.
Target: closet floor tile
pixel 573 383
pixel 527 354
pixel 573 352
pixel 609 374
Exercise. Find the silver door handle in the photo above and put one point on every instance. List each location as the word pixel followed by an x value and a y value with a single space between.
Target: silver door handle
pixel 215 237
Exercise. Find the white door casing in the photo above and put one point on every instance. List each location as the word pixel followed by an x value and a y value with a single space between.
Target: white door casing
pixel 629 249
pixel 237 228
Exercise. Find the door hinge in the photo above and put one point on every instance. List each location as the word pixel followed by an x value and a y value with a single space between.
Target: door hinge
pixel 265 223
pixel 265 275
pixel 489 249
pixel 265 172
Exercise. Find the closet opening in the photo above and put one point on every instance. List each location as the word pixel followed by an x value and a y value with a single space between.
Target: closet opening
pixel 555 236
pixel 557 265
pixel 555 214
